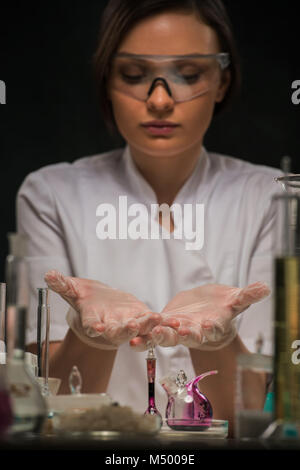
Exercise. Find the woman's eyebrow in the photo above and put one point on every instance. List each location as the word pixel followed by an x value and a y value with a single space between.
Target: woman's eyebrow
pixel 179 56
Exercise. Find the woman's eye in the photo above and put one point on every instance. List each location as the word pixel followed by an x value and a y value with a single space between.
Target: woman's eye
pixel 130 78
pixel 191 77
pixel 187 77
pixel 189 74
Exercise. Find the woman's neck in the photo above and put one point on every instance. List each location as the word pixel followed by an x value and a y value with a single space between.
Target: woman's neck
pixel 166 175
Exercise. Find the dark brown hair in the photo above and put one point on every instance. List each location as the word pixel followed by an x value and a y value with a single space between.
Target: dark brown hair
pixel 120 16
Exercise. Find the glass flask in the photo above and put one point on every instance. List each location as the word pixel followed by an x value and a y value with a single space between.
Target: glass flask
pixel 28 405
pixel 187 407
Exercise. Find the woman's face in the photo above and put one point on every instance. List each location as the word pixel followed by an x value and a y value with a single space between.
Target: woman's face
pixel 169 33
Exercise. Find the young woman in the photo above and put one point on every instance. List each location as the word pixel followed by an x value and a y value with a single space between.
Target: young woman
pixel 164 68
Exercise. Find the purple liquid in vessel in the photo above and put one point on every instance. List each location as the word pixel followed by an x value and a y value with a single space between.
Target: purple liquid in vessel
pixel 197 411
pixel 152 410
pixel 6 417
pixel 151 395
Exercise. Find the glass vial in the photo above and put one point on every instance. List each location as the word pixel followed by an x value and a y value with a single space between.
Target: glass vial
pixel 151 371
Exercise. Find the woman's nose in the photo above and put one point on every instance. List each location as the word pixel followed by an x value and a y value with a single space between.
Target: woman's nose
pixel 160 99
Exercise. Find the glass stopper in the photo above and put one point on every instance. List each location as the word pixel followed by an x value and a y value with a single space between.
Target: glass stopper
pixel 75 381
pixel 151 354
pixel 259 343
pixel 181 378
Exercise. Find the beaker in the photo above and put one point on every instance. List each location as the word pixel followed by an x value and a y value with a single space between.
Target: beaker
pixel 254 395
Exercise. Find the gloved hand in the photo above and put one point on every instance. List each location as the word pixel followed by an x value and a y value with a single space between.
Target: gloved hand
pixel 204 315
pixel 102 316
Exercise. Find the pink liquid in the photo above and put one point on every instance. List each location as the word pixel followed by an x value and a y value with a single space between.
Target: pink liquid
pixel 6 417
pixel 151 368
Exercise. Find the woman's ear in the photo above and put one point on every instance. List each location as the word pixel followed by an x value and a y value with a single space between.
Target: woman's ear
pixel 223 86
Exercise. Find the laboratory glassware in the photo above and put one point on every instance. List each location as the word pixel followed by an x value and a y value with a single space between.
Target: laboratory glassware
pixel 286 265
pixel 6 416
pixel 5 402
pixel 75 381
pixel 43 331
pixel 151 372
pixel 253 410
pixel 187 407
pixel 29 407
pixel 2 310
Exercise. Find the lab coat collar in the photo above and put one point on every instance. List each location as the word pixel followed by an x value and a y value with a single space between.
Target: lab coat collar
pixel 142 191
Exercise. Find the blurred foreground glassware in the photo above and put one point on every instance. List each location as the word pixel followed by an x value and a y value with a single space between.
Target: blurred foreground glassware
pixel 2 310
pixel 286 248
pixel 6 416
pixel 5 403
pixel 254 407
pixel 43 331
pixel 75 381
pixel 290 183
pixel 29 407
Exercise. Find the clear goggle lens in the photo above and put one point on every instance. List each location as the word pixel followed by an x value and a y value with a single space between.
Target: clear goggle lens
pixel 184 77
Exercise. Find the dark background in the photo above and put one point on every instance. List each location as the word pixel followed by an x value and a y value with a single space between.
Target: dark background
pixel 51 113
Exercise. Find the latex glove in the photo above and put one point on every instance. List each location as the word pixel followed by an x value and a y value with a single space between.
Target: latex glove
pixel 204 315
pixel 102 316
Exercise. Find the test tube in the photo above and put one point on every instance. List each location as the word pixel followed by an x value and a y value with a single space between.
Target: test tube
pixel 43 330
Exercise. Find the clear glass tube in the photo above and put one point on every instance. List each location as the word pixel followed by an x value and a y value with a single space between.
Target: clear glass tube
pixel 29 407
pixel 2 310
pixel 17 297
pixel 286 239
pixel 43 331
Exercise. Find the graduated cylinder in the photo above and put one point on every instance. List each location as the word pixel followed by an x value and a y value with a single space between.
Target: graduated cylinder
pixel 287 306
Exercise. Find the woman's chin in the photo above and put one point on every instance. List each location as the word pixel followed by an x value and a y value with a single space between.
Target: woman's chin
pixel 163 149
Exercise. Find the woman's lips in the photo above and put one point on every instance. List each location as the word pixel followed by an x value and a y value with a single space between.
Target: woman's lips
pixel 160 127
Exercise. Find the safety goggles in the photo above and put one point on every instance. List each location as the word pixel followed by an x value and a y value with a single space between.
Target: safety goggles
pixel 184 77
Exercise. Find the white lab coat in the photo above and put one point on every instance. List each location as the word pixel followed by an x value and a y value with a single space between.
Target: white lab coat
pixel 56 207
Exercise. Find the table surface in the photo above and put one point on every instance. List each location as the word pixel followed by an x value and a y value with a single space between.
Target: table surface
pixel 115 441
